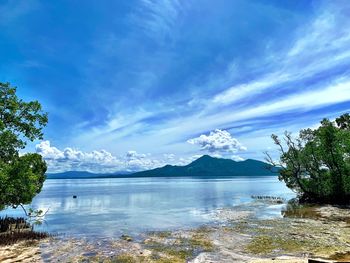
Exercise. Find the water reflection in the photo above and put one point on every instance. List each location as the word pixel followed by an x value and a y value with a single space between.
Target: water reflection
pixel 109 207
pixel 295 210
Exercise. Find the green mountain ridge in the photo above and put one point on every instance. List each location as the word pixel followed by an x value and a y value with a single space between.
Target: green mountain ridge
pixel 211 166
pixel 205 166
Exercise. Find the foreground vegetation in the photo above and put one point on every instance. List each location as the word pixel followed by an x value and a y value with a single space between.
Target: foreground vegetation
pixel 316 164
pixel 14 230
pixel 21 176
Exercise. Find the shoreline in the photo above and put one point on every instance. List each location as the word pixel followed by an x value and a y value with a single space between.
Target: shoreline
pixel 127 176
pixel 318 232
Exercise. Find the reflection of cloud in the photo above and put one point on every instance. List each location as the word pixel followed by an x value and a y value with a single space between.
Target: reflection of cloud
pixel 218 142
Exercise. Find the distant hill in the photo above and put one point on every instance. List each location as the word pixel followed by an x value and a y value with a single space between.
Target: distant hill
pixel 205 166
pixel 82 175
pixel 211 167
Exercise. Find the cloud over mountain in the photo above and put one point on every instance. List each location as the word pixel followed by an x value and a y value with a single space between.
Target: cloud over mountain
pixel 135 161
pixel 218 142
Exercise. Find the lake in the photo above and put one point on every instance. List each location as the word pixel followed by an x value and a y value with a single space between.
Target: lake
pixel 110 207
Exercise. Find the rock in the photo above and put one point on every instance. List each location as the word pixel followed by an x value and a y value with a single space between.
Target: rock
pixel 126 238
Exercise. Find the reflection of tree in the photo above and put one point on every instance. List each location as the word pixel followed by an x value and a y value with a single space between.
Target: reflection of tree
pixel 296 210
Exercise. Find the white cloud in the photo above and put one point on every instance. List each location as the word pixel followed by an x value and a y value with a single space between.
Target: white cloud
pixel 102 161
pixel 187 160
pixel 218 142
pixel 45 150
pixel 237 158
pixel 169 156
pixel 240 91
pixel 96 161
pixel 132 155
pixel 336 92
pixel 135 161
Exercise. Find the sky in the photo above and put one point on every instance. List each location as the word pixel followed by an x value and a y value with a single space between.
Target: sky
pixel 137 84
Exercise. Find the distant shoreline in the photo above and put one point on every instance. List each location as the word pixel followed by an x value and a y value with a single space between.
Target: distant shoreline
pixel 204 167
pixel 52 177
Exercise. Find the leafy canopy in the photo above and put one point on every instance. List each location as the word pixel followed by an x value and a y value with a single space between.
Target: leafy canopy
pixel 21 177
pixel 316 164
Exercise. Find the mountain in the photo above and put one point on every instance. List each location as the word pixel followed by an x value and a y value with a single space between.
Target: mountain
pixel 213 167
pixel 205 166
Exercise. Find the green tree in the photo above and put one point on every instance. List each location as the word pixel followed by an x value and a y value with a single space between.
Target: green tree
pixel 21 176
pixel 316 164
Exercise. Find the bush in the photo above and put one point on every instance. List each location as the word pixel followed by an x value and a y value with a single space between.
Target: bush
pixel 316 164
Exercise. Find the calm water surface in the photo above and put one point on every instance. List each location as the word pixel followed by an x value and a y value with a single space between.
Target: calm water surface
pixel 110 207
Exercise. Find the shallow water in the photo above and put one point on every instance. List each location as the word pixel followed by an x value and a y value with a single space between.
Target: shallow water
pixel 109 207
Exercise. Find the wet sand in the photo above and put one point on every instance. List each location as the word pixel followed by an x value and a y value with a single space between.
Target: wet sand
pixel 21 252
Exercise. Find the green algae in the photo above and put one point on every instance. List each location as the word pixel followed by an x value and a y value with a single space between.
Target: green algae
pixel 168 247
pixel 125 258
pixel 298 237
pixel 126 238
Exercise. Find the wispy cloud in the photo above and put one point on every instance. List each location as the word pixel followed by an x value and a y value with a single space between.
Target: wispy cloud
pixel 307 58
pixel 318 48
pixel 10 11
pixel 157 18
pixel 162 72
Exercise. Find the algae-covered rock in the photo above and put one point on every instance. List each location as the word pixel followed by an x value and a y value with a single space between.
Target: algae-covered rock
pixel 126 238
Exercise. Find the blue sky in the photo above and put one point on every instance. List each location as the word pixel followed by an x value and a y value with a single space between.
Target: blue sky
pixel 132 85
